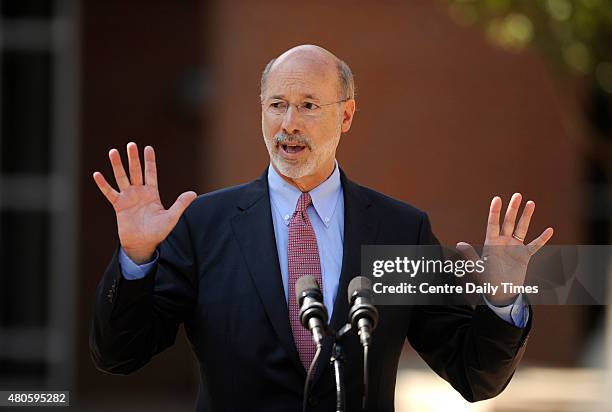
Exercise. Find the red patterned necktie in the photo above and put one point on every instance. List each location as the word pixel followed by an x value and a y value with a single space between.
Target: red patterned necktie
pixel 303 257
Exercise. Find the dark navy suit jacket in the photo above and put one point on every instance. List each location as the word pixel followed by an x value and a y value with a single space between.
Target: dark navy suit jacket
pixel 218 274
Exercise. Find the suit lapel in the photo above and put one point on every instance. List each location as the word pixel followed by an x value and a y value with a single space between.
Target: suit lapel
pixel 254 231
pixel 360 228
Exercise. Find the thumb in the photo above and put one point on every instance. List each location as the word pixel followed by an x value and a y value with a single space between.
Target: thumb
pixel 181 203
pixel 468 251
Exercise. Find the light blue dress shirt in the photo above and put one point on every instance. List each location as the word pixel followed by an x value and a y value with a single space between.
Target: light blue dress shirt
pixel 326 214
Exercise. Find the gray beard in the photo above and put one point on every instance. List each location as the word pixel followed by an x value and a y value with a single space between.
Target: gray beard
pixel 297 171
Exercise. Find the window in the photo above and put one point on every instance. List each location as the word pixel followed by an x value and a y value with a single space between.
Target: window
pixel 38 196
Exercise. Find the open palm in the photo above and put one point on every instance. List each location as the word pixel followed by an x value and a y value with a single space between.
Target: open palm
pixel 505 255
pixel 142 221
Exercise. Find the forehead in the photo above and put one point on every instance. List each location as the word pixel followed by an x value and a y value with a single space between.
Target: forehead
pixel 300 79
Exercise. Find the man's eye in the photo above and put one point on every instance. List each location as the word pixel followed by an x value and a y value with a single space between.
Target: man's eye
pixel 310 106
pixel 278 105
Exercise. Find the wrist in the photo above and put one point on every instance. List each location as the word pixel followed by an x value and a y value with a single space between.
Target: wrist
pixel 501 299
pixel 140 256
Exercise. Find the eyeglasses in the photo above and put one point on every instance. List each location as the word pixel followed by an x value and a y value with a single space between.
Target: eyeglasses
pixel 278 107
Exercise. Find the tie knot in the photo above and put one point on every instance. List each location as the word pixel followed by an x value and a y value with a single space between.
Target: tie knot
pixel 303 202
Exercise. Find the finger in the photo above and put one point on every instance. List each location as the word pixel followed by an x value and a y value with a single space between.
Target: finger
pixel 493 221
pixel 150 166
pixel 540 241
pixel 523 224
pixel 134 164
pixel 181 203
pixel 511 212
pixel 106 189
pixel 122 180
pixel 468 251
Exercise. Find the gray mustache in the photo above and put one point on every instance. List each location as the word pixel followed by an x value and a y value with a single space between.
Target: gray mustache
pixel 284 138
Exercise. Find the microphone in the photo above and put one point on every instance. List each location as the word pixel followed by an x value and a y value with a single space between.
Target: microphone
pixel 313 315
pixel 363 314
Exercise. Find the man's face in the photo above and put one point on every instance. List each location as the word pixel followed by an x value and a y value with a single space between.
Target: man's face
pixel 302 142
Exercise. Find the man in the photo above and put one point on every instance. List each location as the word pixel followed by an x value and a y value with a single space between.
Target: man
pixel 225 265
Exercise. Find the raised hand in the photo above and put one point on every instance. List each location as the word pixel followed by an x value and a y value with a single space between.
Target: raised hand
pixel 142 221
pixel 505 254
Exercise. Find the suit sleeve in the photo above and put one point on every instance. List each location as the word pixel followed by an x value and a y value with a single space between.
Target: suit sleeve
pixel 472 348
pixel 137 319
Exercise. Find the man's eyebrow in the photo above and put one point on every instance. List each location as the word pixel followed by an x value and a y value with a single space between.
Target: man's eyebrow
pixel 282 97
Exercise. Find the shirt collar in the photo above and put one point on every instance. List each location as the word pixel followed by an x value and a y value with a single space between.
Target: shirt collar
pixel 324 197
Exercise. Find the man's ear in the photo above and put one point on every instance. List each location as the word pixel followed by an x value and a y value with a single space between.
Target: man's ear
pixel 348 114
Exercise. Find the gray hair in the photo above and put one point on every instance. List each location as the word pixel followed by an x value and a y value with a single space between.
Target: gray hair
pixel 346 80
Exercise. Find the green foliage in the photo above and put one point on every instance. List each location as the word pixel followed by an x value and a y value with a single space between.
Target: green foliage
pixel 575 34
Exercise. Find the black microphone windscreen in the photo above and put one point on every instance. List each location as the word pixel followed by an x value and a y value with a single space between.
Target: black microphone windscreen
pixel 359 284
pixel 305 283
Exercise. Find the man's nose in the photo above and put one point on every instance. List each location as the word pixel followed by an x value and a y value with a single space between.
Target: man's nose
pixel 291 120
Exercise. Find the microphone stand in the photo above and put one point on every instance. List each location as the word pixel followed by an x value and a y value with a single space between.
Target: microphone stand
pixel 337 359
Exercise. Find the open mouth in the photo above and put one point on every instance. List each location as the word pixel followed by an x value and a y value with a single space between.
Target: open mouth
pixel 292 147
